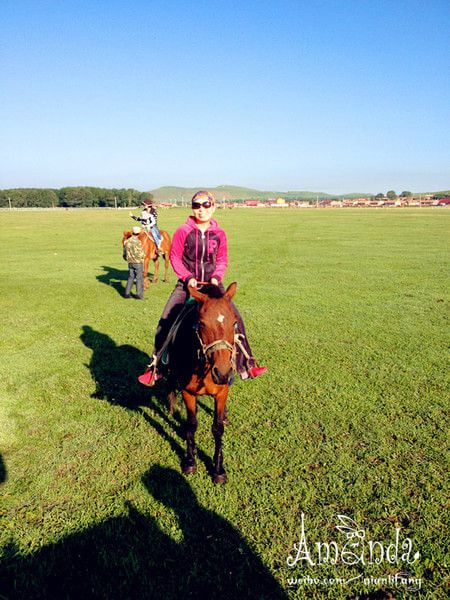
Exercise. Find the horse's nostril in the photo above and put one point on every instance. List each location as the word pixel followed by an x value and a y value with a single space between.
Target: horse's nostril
pixel 219 377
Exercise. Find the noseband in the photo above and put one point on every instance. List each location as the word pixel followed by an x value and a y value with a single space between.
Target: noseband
pixel 208 349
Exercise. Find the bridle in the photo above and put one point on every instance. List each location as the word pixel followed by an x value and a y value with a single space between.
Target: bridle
pixel 208 349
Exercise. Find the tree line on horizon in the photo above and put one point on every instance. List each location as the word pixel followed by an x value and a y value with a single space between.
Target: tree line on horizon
pixel 91 197
pixel 71 197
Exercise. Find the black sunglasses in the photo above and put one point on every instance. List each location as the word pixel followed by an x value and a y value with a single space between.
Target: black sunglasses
pixel 206 204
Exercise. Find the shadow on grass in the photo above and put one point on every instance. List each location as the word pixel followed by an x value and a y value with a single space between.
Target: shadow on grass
pixel 115 370
pixel 116 278
pixel 131 557
pixel 3 475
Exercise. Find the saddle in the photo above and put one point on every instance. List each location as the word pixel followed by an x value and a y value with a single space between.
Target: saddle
pixel 159 251
pixel 186 320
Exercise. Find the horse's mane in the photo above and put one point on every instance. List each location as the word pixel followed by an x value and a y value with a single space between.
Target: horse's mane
pixel 211 290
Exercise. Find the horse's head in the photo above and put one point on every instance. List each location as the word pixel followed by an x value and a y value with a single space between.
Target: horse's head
pixel 126 235
pixel 216 330
pixel 143 237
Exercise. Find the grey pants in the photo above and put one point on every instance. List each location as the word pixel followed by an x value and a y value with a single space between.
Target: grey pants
pixel 135 271
pixel 173 308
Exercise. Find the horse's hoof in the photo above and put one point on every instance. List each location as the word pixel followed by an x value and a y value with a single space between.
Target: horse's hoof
pixel 189 469
pixel 222 478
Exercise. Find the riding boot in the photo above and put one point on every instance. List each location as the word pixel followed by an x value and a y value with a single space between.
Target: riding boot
pixel 151 374
pixel 246 364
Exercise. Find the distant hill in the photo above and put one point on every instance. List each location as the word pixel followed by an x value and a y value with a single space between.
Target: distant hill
pixel 221 192
pixel 232 192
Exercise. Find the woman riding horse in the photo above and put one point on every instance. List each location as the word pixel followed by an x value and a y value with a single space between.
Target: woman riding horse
pixel 198 255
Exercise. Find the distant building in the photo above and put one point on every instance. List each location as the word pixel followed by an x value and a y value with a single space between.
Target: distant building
pixel 254 203
pixel 279 203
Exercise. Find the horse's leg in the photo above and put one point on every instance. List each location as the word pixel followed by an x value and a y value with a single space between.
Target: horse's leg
pixel 172 398
pixel 155 275
pixel 146 281
pixel 166 266
pixel 190 401
pixel 219 475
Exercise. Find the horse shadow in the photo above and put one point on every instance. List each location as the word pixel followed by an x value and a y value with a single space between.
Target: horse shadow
pixel 130 556
pixel 3 471
pixel 115 370
pixel 117 278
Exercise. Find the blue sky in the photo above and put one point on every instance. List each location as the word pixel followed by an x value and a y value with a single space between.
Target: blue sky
pixel 321 95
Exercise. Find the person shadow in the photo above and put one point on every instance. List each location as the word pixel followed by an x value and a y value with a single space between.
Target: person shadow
pixel 130 556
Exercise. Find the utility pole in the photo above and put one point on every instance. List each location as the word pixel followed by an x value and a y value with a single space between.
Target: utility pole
pixel 317 201
pixel 115 202
pixel 9 200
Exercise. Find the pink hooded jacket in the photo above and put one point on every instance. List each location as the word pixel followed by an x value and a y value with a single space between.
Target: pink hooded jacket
pixel 198 254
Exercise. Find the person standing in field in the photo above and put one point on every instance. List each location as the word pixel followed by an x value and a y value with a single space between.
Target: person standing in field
pixel 149 221
pixel 199 255
pixel 134 254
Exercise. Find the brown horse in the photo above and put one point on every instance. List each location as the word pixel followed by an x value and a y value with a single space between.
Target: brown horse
pixel 152 254
pixel 202 360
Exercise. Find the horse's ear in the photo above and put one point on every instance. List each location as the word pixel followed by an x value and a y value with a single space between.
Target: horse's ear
pixel 231 290
pixel 196 294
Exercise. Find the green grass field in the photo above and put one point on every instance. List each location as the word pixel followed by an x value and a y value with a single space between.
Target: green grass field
pixel 348 308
